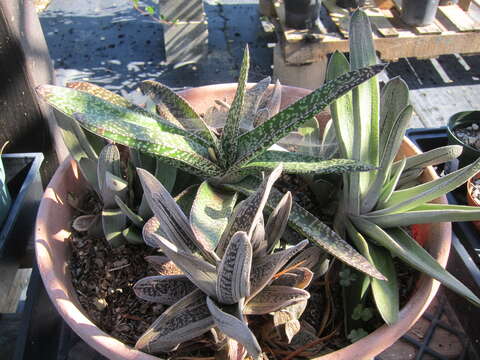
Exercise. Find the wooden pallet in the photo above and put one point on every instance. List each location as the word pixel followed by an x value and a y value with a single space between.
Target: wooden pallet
pixel 453 31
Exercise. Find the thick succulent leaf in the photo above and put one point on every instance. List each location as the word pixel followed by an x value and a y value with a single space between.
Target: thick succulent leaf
pixel 183 321
pixel 264 269
pixel 186 198
pixel 248 213
pixel 257 141
pixel 258 240
pixel 394 98
pixel 210 212
pixel 297 163
pixel 289 313
pixel 404 200
pixel 309 258
pixel 163 265
pixel 270 104
pixel 329 143
pixel 175 224
pixel 149 134
pixel 408 177
pixel 235 328
pixel 433 157
pixel 233 281
pixel 108 162
pixel 134 218
pixel 402 245
pixel 385 292
pixel 133 235
pixel 84 222
pixel 113 223
pixel 425 214
pixel 166 174
pixel 251 101
pixel 341 108
pixel 231 130
pixel 366 102
pixel 277 222
pixel 298 278
pixel 274 298
pixel 313 229
pixel 393 134
pixel 391 185
pixel 177 110
pixel 200 272
pixel 163 289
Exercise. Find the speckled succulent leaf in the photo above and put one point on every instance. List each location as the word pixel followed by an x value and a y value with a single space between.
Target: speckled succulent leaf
pixel 403 200
pixel 133 235
pixel 163 289
pixel 108 162
pixel 392 137
pixel 113 223
pixel 432 157
pixel 134 218
pixel 231 130
pixel 297 163
pixel 277 222
pixel 166 174
pixel 117 186
pixel 408 178
pixel 235 328
pixel 257 141
pixel 148 134
pixel 270 105
pixel 308 258
pixel 391 185
pixel 393 98
pixel 183 321
pixel 341 108
pixel 313 229
pixel 251 101
pixel 426 214
pixel 273 298
pixel 249 212
pixel 264 268
pixel 163 265
pixel 288 313
pixel 400 244
pixel 385 293
pixel 299 277
pixel 366 103
pixel 310 143
pixel 200 272
pixel 84 222
pixel 186 198
pixel 210 212
pixel 175 225
pixel 179 110
pixel 233 281
pixel 329 143
pixel 258 240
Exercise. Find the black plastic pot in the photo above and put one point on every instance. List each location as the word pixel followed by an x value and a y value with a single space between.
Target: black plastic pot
pixel 419 12
pixel 301 14
pixel 25 186
pixel 464 261
pixel 460 120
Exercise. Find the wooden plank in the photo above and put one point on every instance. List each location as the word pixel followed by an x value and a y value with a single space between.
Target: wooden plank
pixel 464 4
pixel 428 29
pixel 17 288
pixel 459 18
pixel 406 45
pixel 340 16
pixel 434 106
pixel 380 22
pixel 181 10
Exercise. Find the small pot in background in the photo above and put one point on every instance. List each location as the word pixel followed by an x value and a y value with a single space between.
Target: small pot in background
pixel 419 12
pixel 302 14
pixel 472 198
pixel 461 120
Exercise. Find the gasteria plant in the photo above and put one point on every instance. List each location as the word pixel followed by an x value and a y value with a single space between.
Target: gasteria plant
pixel 377 206
pixel 219 284
pixel 5 199
pixel 181 138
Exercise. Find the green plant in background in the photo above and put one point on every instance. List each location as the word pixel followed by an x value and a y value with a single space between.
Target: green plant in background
pixel 228 159
pixel 377 206
pixel 5 199
pixel 235 277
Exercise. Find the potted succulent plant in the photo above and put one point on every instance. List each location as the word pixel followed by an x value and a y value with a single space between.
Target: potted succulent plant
pixel 225 249
pixel 463 129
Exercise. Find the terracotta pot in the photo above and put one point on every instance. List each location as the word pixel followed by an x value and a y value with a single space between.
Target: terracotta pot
pixel 471 200
pixel 52 250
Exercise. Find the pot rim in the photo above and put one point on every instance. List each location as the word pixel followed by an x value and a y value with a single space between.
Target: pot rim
pixel 46 238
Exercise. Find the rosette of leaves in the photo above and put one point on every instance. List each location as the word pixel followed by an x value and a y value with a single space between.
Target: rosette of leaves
pixel 218 285
pixel 179 137
pixel 378 205
pixel 111 178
